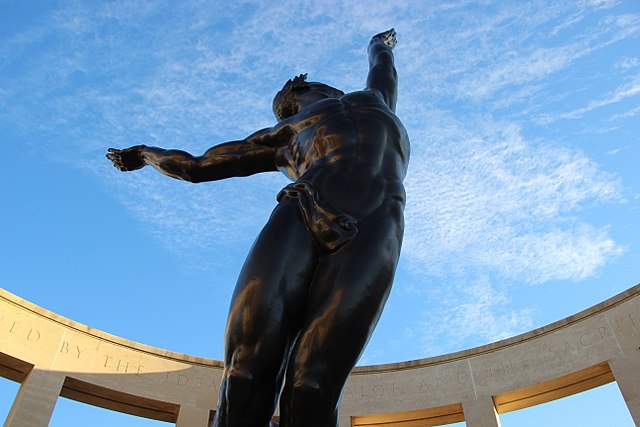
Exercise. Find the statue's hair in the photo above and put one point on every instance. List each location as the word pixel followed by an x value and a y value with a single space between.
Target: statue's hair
pixel 283 103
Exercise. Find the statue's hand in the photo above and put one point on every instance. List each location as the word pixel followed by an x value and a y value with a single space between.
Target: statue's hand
pixel 388 38
pixel 128 159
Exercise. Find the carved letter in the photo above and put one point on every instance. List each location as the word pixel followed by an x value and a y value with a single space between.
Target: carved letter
pixel 198 382
pixel 79 351
pixel 183 379
pixel 126 366
pixel 33 335
pixel 489 370
pixel 378 390
pixel 396 390
pixel 568 347
pixel 585 342
pixel 106 360
pixel 15 325
pixel 633 318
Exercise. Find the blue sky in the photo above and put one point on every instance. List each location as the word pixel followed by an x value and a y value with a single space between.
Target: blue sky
pixel 523 188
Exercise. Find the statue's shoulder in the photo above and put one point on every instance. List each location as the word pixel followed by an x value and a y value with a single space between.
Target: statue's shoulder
pixel 366 98
pixel 365 95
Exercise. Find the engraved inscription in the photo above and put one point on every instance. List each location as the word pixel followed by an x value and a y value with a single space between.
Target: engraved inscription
pixel 584 341
pixel 505 367
pixel 377 390
pixel 17 329
pixel 451 377
pixel 629 323
pixel 74 350
pixel 183 380
pixel 119 365
pixel 444 379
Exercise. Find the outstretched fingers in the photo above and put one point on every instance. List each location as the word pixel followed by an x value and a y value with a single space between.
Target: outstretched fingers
pixel 388 37
pixel 115 157
pixel 125 160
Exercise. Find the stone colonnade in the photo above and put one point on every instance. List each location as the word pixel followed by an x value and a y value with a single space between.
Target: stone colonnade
pixel 52 356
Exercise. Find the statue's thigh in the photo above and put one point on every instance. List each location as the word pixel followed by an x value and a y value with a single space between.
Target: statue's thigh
pixel 266 307
pixel 348 294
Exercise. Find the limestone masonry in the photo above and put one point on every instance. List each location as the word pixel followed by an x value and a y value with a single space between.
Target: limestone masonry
pixel 52 356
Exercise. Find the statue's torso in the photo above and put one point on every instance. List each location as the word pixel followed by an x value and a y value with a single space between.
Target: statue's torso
pixel 353 150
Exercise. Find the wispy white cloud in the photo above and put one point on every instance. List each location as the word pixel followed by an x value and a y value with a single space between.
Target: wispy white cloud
pixel 486 196
pixel 481 196
pixel 208 79
pixel 601 4
pixel 628 63
pixel 537 62
pixel 630 113
pixel 569 22
pixel 536 65
pixel 625 91
pixel 472 314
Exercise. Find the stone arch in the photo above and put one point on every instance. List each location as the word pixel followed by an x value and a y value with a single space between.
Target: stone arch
pixel 53 356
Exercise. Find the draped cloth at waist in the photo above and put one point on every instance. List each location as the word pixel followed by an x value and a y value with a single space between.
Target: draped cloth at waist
pixel 329 227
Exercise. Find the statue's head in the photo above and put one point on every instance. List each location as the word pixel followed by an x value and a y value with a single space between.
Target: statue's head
pixel 297 93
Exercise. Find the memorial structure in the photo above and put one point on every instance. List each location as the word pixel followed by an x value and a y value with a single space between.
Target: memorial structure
pixel 52 356
pixel 319 273
pixel 309 296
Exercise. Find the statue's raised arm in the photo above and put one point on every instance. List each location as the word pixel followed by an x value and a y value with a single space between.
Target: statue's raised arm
pixel 249 156
pixel 382 71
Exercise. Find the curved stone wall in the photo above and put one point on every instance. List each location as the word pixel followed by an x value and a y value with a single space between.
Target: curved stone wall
pixel 53 356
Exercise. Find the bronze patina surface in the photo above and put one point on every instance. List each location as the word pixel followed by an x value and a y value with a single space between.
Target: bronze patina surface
pixel 314 284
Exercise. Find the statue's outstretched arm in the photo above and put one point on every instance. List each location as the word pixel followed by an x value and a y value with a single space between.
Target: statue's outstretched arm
pixel 382 72
pixel 249 156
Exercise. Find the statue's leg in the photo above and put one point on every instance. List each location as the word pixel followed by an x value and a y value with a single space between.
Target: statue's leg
pixel 264 318
pixel 348 293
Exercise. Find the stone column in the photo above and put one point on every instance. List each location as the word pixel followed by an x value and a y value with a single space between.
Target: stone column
pixel 480 412
pixel 193 416
pixel 36 399
pixel 344 420
pixel 626 371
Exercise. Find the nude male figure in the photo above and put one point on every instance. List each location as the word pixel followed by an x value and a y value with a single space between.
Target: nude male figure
pixel 315 281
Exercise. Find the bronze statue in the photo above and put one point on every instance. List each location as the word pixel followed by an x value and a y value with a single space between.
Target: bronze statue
pixel 316 279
